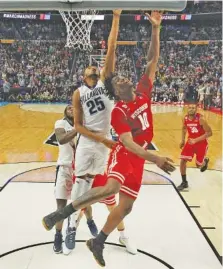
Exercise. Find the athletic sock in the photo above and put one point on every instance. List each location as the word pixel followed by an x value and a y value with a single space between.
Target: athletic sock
pixel 122 234
pixel 67 211
pixel 184 178
pixel 101 238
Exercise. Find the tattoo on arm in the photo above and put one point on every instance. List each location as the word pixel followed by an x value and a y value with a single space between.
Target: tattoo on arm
pixel 64 137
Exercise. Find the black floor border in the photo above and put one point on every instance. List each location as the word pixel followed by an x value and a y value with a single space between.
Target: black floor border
pixel 193 216
pixel 209 228
pixel 84 241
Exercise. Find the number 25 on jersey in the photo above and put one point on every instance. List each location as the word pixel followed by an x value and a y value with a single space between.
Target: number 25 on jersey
pixel 144 121
pixel 95 105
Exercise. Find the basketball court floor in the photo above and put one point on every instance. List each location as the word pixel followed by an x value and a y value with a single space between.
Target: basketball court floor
pixel 170 229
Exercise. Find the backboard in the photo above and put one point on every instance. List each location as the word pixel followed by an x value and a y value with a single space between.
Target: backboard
pixel 69 5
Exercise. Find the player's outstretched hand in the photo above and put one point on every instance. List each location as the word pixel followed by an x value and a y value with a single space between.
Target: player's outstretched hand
pixel 155 18
pixel 109 143
pixel 117 12
pixel 164 163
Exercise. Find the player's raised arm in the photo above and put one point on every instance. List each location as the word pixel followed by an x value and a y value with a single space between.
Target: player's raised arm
pixel 154 49
pixel 109 66
pixel 146 82
pixel 78 123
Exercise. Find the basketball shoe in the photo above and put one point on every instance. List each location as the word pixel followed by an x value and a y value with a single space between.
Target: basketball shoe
pixel 129 246
pixel 69 242
pixel 205 167
pixel 97 249
pixel 57 245
pixel 184 185
pixel 92 227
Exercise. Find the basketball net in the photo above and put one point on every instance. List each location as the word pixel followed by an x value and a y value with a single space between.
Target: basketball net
pixel 78 25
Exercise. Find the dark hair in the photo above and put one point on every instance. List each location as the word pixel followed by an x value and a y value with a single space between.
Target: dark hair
pixel 110 91
pixel 65 111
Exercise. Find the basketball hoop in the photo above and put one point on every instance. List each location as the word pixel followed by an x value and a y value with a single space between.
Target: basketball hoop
pixel 78 24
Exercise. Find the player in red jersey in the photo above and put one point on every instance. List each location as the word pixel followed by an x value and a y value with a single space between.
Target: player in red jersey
pixel 132 121
pixel 198 131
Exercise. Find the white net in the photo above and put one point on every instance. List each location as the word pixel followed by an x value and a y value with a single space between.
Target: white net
pixel 78 24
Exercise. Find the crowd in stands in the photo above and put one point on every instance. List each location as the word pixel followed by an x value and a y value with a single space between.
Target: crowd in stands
pixel 39 68
pixel 46 30
pixel 212 31
pixel 41 71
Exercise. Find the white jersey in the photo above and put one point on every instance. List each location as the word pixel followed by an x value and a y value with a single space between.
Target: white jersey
pixel 201 90
pixel 66 151
pixel 96 108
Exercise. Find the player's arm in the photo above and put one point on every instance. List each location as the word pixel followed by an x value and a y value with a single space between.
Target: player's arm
pixel 161 162
pixel 183 135
pixel 146 82
pixel 120 124
pixel 64 137
pixel 154 49
pixel 207 129
pixel 109 65
pixel 78 123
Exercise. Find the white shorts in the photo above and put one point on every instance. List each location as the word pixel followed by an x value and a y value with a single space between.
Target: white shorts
pixel 201 98
pixel 90 158
pixel 181 96
pixel 64 182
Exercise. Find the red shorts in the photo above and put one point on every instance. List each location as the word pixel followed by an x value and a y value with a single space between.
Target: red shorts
pixel 126 168
pixel 200 149
pixel 101 180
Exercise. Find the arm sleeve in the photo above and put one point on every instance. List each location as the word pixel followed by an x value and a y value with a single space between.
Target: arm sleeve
pixel 145 86
pixel 119 121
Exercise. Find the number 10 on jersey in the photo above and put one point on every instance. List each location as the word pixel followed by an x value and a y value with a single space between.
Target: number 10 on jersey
pixel 144 121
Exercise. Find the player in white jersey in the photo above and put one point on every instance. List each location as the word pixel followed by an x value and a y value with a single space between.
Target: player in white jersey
pixel 92 117
pixel 65 134
pixel 201 91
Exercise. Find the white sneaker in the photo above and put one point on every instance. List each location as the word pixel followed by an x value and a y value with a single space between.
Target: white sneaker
pixel 66 251
pixel 129 247
pixel 69 242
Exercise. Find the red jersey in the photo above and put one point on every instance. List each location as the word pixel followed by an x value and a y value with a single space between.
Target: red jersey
pixel 194 128
pixel 135 116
